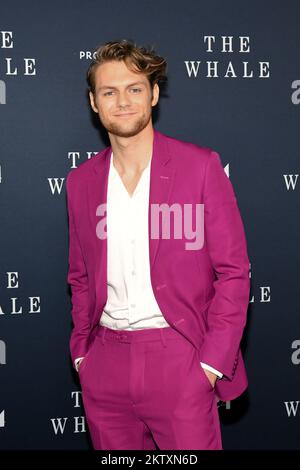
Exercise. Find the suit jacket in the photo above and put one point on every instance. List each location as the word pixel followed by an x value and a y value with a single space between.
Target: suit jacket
pixel 203 293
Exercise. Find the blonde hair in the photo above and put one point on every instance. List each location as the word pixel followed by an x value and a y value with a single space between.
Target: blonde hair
pixel 138 59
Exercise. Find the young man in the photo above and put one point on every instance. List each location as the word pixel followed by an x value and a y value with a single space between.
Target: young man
pixel 158 318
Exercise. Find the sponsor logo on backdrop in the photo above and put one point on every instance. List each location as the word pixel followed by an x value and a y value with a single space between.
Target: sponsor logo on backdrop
pixel 11 66
pixel 56 184
pixel 295 97
pixel 73 424
pixel 16 306
pixel 292 408
pixel 88 55
pixel 263 295
pixel 295 357
pixel 2 419
pixel 2 352
pixel 290 181
pixel 232 50
pixel 2 92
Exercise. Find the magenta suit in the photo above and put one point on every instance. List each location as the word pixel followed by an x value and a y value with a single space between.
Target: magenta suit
pixel 202 293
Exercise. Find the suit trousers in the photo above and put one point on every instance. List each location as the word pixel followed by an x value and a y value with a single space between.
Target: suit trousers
pixel 146 389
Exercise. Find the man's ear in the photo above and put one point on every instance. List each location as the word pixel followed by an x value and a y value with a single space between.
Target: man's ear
pixel 92 102
pixel 155 94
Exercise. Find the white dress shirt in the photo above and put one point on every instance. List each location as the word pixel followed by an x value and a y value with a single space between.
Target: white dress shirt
pixel 131 304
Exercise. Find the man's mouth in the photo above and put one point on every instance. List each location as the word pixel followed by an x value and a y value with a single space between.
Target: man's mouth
pixel 125 114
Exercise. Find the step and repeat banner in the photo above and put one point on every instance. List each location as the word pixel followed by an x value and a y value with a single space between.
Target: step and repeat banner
pixel 234 86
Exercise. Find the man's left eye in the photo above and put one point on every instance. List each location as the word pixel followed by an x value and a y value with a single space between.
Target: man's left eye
pixel 136 89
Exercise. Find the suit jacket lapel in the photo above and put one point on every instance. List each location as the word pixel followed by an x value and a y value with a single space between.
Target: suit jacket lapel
pixel 161 180
pixel 97 195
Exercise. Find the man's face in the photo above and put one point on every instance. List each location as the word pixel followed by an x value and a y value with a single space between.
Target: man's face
pixel 123 99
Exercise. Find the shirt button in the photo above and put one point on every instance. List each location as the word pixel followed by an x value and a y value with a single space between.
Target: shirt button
pixel 132 305
pixel 132 241
pixel 133 273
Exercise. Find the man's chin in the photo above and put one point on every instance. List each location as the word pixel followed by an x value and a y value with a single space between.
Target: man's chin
pixel 123 131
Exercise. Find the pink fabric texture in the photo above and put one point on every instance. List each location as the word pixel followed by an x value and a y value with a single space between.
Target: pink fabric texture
pixel 146 387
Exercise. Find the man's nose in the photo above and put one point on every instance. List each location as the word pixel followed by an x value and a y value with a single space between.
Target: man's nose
pixel 123 99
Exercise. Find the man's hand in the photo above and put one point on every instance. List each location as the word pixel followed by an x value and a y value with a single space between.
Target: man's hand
pixel 211 377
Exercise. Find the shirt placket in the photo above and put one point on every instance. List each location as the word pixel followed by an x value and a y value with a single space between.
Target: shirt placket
pixel 132 265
